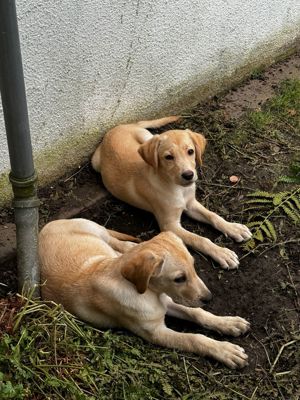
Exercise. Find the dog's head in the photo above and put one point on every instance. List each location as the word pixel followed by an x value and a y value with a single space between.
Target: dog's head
pixel 174 155
pixel 164 265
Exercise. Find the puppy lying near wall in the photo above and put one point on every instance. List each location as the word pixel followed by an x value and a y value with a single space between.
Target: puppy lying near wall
pixel 109 282
pixel 157 173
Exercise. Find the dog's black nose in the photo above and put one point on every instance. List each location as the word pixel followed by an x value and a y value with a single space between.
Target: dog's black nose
pixel 188 175
pixel 206 297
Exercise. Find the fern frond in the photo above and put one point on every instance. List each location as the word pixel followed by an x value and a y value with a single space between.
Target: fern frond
pixel 258 200
pixel 296 200
pixel 271 228
pixel 294 216
pixel 294 176
pixel 289 179
pixel 291 204
pixel 295 168
pixel 260 193
pixel 253 223
pixel 261 208
pixel 258 235
pixel 278 198
pixel 249 245
pixel 266 230
pixel 264 206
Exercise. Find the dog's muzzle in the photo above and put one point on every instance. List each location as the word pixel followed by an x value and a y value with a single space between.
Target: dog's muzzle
pixel 187 175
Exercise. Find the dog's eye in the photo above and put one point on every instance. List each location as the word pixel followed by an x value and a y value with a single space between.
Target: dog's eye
pixel 180 279
pixel 190 152
pixel 169 157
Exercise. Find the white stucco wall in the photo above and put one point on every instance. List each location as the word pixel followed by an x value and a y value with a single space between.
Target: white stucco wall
pixel 90 64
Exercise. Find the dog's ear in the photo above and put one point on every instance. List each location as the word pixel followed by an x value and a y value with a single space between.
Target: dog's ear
pixel 149 151
pixel 141 267
pixel 199 143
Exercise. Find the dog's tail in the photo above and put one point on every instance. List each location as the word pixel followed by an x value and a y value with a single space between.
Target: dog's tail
pixel 96 160
pixel 157 123
pixel 123 236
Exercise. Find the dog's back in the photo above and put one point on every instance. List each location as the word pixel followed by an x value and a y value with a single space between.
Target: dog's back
pixel 122 142
pixel 67 243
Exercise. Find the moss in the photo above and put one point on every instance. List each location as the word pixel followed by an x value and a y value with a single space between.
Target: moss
pixel 5 188
pixel 57 159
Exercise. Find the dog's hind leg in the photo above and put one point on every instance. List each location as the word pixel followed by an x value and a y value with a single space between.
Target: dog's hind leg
pixel 117 240
pixel 123 236
pixel 121 242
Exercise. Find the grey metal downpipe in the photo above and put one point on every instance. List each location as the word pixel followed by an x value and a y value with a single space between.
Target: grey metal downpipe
pixel 22 176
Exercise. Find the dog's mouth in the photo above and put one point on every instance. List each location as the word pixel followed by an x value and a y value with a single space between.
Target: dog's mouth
pixel 187 183
pixel 188 303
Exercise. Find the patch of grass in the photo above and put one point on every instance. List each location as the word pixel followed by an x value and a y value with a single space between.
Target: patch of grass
pixel 279 115
pixel 287 99
pixel 259 120
pixel 257 73
pixel 46 353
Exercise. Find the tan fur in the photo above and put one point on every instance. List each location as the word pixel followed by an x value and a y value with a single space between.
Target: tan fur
pixel 110 283
pixel 134 169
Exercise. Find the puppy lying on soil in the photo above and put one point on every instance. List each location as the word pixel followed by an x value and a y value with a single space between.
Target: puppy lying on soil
pixel 110 282
pixel 157 173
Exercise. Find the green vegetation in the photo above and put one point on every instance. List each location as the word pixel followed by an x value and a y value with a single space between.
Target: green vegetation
pixel 46 353
pixel 294 174
pixel 280 119
pixel 264 206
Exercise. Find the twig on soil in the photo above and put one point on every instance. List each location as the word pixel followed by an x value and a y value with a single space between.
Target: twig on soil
pixel 269 248
pixel 253 393
pixel 187 375
pixel 241 152
pixel 76 173
pixel 200 254
pixel 282 373
pixel 280 352
pixel 226 186
pixel 264 347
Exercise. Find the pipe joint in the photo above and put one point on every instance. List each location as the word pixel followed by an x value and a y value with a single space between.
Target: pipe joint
pixel 24 188
pixel 31 202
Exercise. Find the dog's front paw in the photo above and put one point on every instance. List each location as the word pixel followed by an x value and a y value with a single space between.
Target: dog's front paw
pixel 238 232
pixel 234 326
pixel 231 355
pixel 225 257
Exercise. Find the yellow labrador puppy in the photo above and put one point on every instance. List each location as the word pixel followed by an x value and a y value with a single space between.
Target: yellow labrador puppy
pixel 84 268
pixel 158 173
